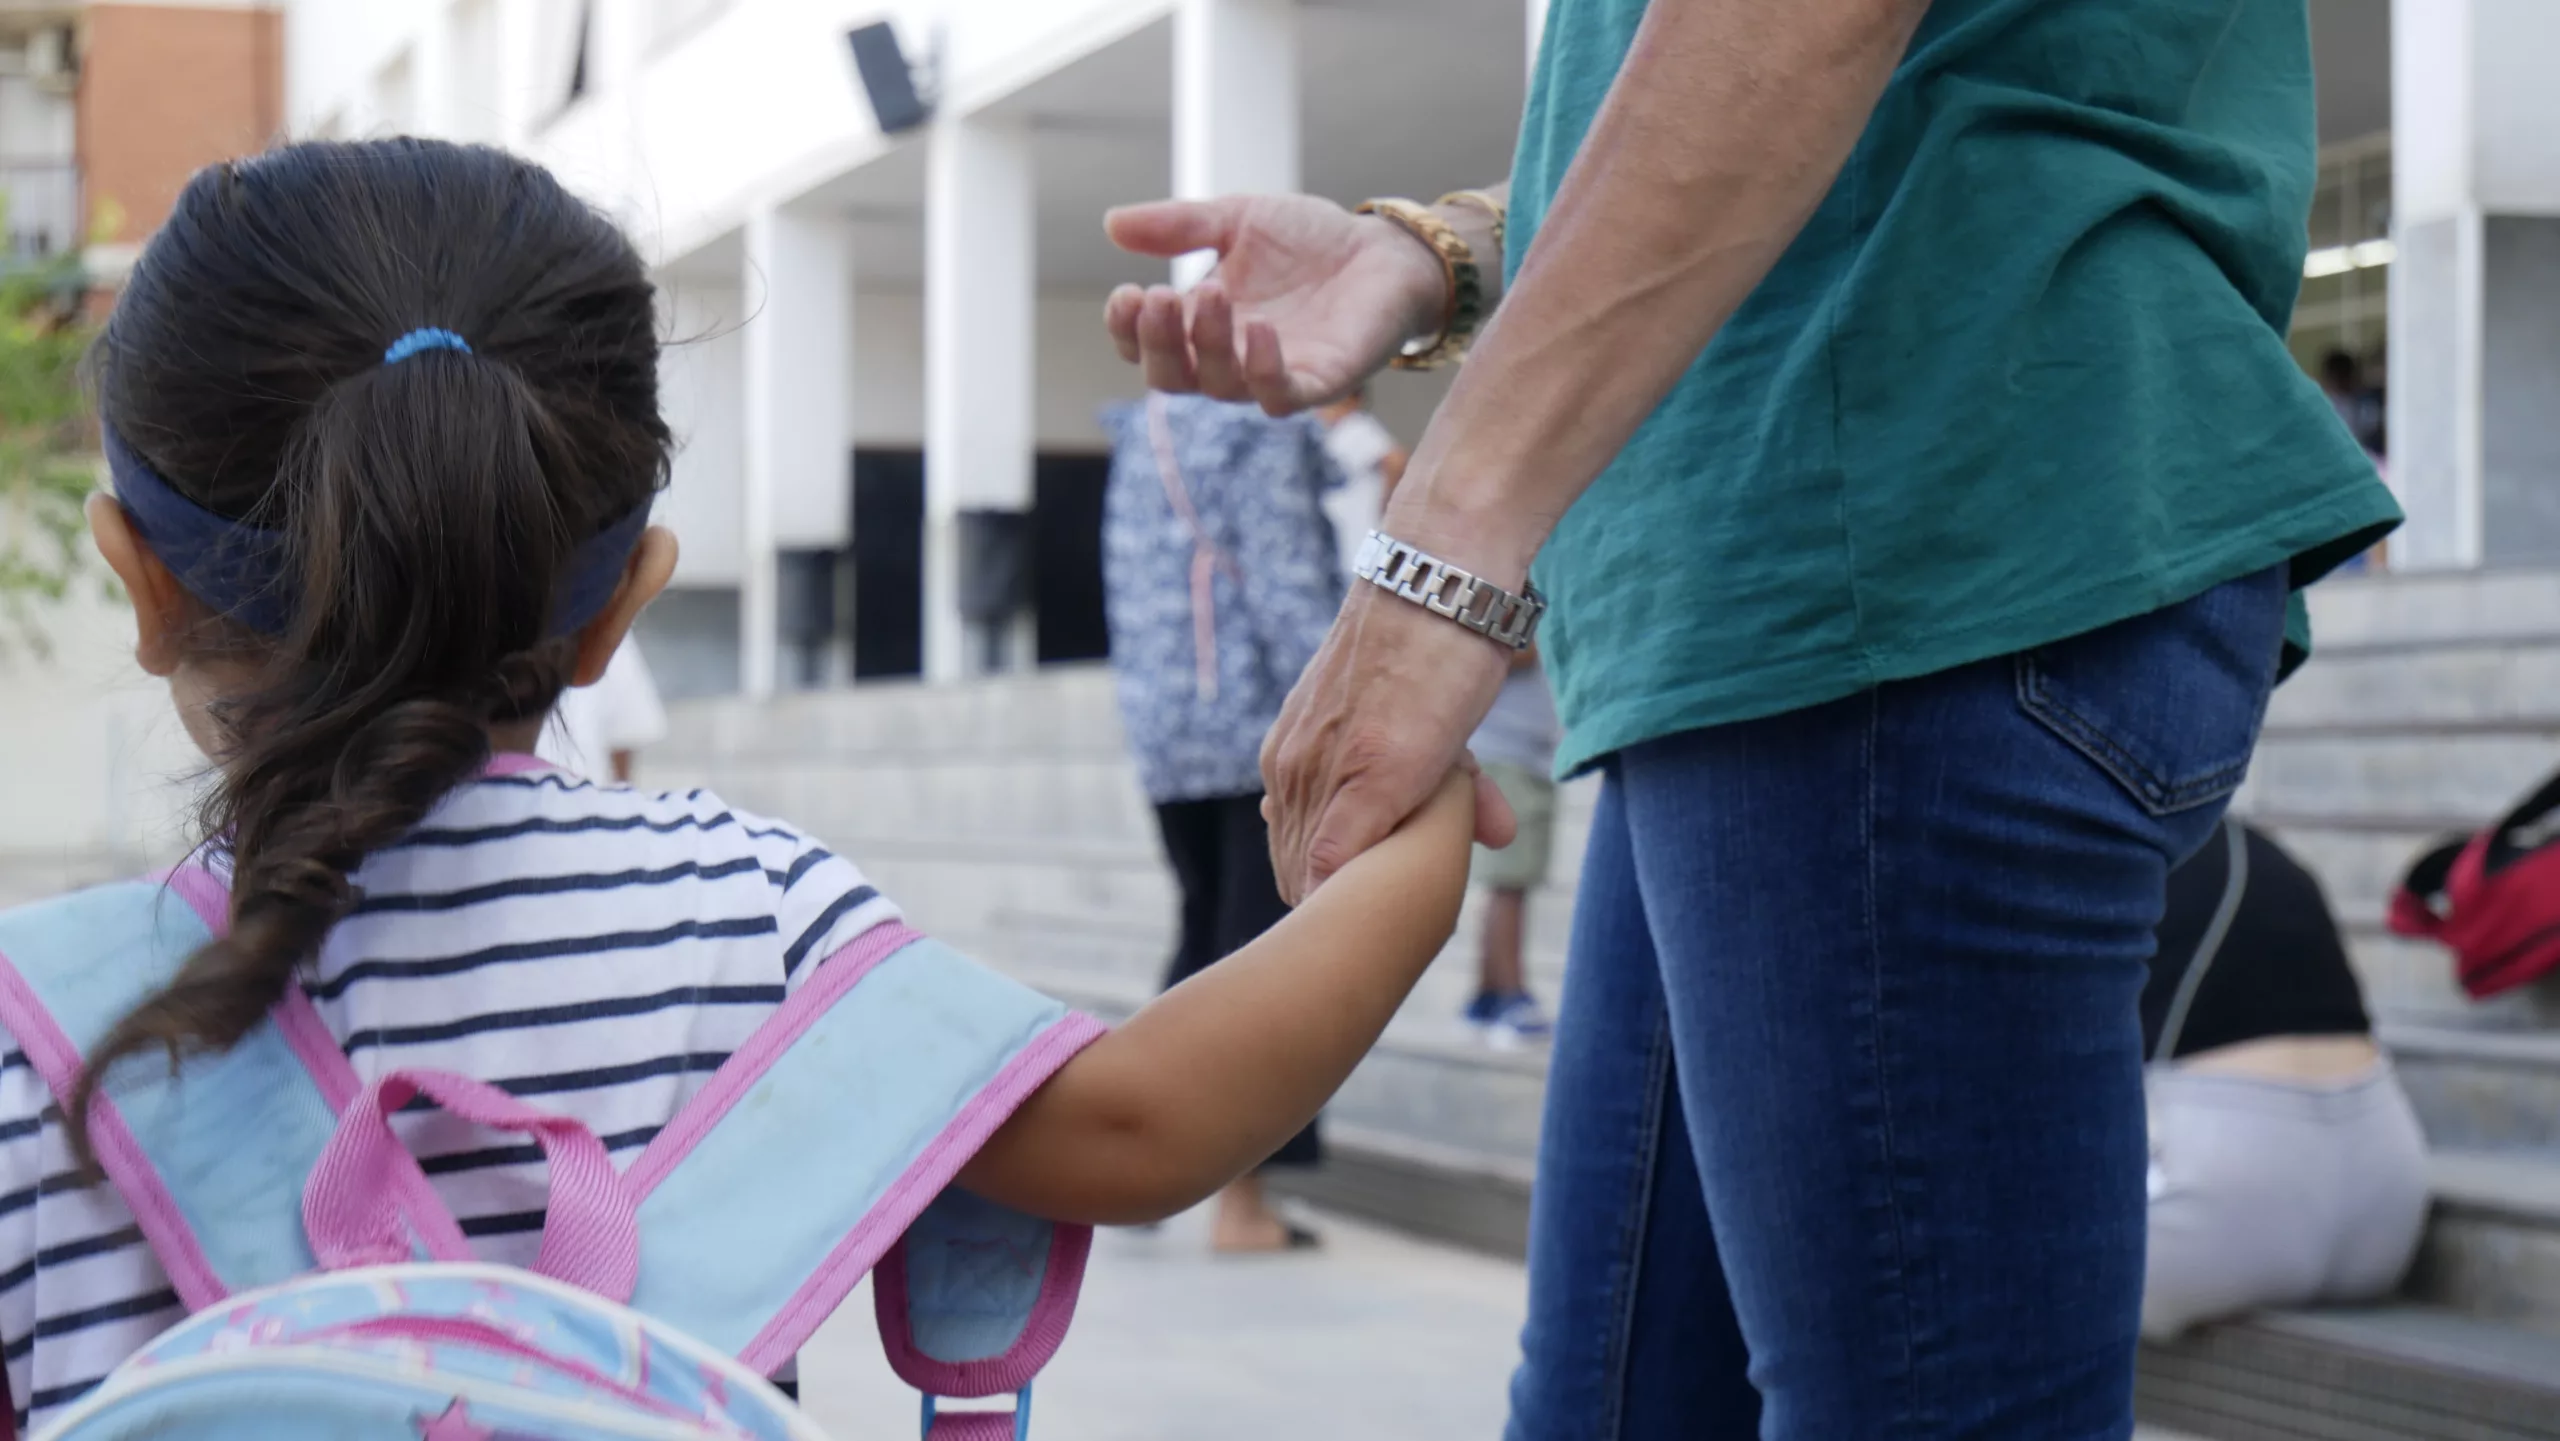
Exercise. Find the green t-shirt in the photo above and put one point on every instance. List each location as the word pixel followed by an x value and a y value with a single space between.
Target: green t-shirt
pixel 2022 375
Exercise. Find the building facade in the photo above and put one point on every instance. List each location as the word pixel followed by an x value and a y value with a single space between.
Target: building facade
pixel 908 325
pixel 106 109
pixel 860 308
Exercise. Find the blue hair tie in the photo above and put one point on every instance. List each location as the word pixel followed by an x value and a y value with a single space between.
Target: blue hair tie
pixel 424 338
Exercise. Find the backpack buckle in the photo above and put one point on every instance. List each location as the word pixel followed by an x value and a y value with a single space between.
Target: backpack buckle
pixel 940 1425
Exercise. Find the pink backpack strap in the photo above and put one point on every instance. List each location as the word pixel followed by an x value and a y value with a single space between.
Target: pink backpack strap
pixel 218 1202
pixel 353 1206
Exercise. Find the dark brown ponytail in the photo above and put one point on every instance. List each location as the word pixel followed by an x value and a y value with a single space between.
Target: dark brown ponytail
pixel 430 506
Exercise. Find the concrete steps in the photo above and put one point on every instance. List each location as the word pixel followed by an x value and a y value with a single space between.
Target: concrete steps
pixel 2481 1090
pixel 2493 1245
pixel 2384 1374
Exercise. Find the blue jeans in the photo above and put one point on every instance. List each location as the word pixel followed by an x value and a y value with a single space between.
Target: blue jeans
pixel 1844 1128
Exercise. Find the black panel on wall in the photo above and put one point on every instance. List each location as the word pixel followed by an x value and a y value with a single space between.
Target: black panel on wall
pixel 1066 556
pixel 888 563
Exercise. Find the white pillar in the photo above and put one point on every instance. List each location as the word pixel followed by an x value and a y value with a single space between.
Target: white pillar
pixel 523 94
pixel 797 487
pixel 2475 284
pixel 980 289
pixel 1235 104
pixel 431 71
pixel 759 569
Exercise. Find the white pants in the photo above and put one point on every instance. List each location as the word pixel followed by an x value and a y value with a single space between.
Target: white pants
pixel 2276 1193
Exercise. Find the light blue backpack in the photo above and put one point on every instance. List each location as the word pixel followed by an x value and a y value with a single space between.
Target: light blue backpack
pixel 333 1297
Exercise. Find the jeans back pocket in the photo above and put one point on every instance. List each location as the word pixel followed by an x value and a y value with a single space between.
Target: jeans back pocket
pixel 2168 704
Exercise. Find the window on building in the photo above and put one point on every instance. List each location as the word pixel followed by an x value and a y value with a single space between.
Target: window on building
pixel 39 177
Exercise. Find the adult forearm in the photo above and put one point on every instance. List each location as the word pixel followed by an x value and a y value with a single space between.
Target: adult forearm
pixel 1725 127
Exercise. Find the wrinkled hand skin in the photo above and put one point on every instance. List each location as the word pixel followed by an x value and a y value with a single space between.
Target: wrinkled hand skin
pixel 1378 719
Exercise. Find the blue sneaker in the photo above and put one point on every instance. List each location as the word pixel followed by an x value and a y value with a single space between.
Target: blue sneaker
pixel 1513 1021
pixel 1480 1011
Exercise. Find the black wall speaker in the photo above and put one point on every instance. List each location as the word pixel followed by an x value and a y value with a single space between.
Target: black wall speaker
pixel 888 78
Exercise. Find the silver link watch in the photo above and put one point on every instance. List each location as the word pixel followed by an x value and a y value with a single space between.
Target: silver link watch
pixel 1446 590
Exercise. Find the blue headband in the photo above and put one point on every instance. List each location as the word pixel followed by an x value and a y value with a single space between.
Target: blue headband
pixel 238 569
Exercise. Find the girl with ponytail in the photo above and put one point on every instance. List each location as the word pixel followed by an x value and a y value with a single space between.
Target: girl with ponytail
pixel 383 427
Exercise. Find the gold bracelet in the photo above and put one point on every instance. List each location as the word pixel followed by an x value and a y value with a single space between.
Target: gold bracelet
pixel 1463 310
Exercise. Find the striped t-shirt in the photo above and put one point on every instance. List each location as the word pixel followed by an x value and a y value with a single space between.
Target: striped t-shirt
pixel 596 949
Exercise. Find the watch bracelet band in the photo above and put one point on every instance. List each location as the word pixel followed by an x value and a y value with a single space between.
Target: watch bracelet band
pixel 1450 591
pixel 1463 308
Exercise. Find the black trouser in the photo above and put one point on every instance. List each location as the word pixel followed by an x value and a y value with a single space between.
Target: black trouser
pixel 1222 861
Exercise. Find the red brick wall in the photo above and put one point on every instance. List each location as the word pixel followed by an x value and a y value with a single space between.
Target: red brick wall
pixel 166 90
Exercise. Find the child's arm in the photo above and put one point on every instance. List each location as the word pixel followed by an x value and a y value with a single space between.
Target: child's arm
pixel 1208 1081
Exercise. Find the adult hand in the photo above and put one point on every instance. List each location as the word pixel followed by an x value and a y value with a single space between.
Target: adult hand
pixel 1369 733
pixel 1307 300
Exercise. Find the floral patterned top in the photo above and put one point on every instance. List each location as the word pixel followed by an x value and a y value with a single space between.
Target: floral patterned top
pixel 1217 587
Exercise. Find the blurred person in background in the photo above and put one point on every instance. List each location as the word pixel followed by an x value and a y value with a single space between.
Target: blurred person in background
pixel 1908 682
pixel 2286 1164
pixel 1368 462
pixel 1218 579
pixel 2359 404
pixel 1516 745
pixel 599 730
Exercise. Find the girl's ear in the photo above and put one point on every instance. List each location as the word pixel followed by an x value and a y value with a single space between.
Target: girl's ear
pixel 653 563
pixel 159 604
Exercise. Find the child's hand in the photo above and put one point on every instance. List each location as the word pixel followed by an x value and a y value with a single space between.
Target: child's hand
pixel 1420 868
pixel 1203 1085
pixel 1445 825
pixel 1453 805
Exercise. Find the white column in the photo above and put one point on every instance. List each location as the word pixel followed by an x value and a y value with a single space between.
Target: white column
pixel 431 66
pixel 797 374
pixel 1235 104
pixel 980 289
pixel 759 584
pixel 522 96
pixel 2475 284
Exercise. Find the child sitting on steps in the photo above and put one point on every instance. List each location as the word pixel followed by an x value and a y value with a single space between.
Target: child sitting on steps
pixel 384 430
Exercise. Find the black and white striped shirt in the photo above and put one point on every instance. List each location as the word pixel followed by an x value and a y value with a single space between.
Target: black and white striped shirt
pixel 597 949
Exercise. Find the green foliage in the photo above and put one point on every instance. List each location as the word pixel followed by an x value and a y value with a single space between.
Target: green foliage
pixel 48 460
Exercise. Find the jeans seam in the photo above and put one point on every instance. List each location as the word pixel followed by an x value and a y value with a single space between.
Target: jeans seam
pixel 1634 1233
pixel 1875 1044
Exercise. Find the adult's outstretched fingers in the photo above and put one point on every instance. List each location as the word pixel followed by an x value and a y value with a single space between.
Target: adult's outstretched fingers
pixel 1266 371
pixel 1213 343
pixel 1169 228
pixel 1164 342
pixel 1120 317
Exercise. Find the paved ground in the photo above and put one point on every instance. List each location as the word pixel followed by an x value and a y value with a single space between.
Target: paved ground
pixel 1374 1338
